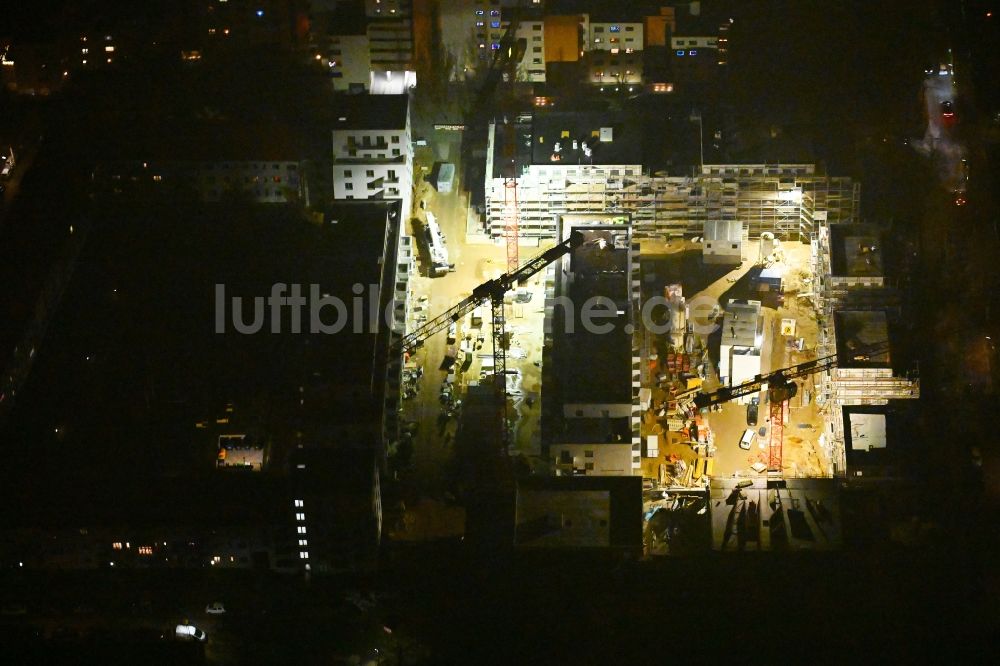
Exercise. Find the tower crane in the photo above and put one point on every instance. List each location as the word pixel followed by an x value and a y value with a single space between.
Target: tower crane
pixel 493 291
pixel 780 390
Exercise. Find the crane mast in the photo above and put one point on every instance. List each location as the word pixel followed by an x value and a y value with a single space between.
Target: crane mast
pixel 493 291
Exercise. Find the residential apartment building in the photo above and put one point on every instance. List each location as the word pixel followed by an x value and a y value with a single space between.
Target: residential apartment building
pixel 612 36
pixel 532 65
pixel 861 312
pixel 590 422
pixel 348 57
pixel 390 43
pixel 573 163
pixel 372 150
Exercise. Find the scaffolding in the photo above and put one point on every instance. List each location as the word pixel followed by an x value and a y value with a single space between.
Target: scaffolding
pixel 786 200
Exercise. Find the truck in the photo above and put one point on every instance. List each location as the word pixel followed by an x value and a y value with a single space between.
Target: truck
pixel 436 247
pixel 445 177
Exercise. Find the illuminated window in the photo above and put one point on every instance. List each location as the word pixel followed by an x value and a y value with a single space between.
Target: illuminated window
pixel 494 24
pixel 303 555
pixel 300 516
pixel 109 49
pixel 302 529
pixel 692 52
pixel 681 52
pixel 480 24
pixel 615 28
pixel 299 502
pixel 117 545
pixel 145 550
pixel 85 51
pixel 479 12
pixel 157 178
pixel 494 12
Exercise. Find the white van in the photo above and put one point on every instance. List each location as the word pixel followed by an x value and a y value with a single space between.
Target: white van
pixel 746 441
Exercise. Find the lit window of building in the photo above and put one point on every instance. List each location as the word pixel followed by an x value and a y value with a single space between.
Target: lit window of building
pixel 303 554
pixel 303 542
pixel 145 550
pixel 117 545
pixel 300 517
pixel 302 529
pixel 300 503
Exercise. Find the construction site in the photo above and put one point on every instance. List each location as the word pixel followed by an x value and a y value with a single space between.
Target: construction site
pixel 711 334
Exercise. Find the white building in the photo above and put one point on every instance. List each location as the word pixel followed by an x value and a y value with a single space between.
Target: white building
pixel 723 242
pixel 372 152
pixel 532 65
pixel 613 36
pixel 742 336
pixel 595 172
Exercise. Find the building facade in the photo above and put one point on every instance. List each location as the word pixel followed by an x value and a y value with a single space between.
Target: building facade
pixel 788 200
pixel 372 150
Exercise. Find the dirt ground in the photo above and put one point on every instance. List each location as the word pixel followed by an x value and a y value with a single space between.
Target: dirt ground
pixel 802 455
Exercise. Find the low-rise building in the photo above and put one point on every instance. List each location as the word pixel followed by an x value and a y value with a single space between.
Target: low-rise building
pixel 589 350
pixel 600 513
pixel 742 337
pixel 723 242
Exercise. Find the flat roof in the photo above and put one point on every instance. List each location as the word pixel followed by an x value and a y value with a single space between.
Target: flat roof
pixel 741 323
pixel 595 430
pixel 511 149
pixel 579 512
pixel 878 438
pixel 613 138
pixel 856 329
pixel 370 112
pixel 856 250
pixel 595 367
pixel 794 514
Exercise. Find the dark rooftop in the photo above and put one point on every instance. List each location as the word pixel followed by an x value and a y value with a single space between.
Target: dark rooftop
pixel 857 329
pixel 579 511
pixel 371 112
pixel 611 137
pixel 595 368
pixel 856 250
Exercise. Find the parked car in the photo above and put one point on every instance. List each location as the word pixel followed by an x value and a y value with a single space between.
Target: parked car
pixel 215 608
pixel 753 410
pixel 947 110
pixel 746 441
pixel 189 632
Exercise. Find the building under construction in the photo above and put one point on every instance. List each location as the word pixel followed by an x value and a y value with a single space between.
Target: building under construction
pixel 592 163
